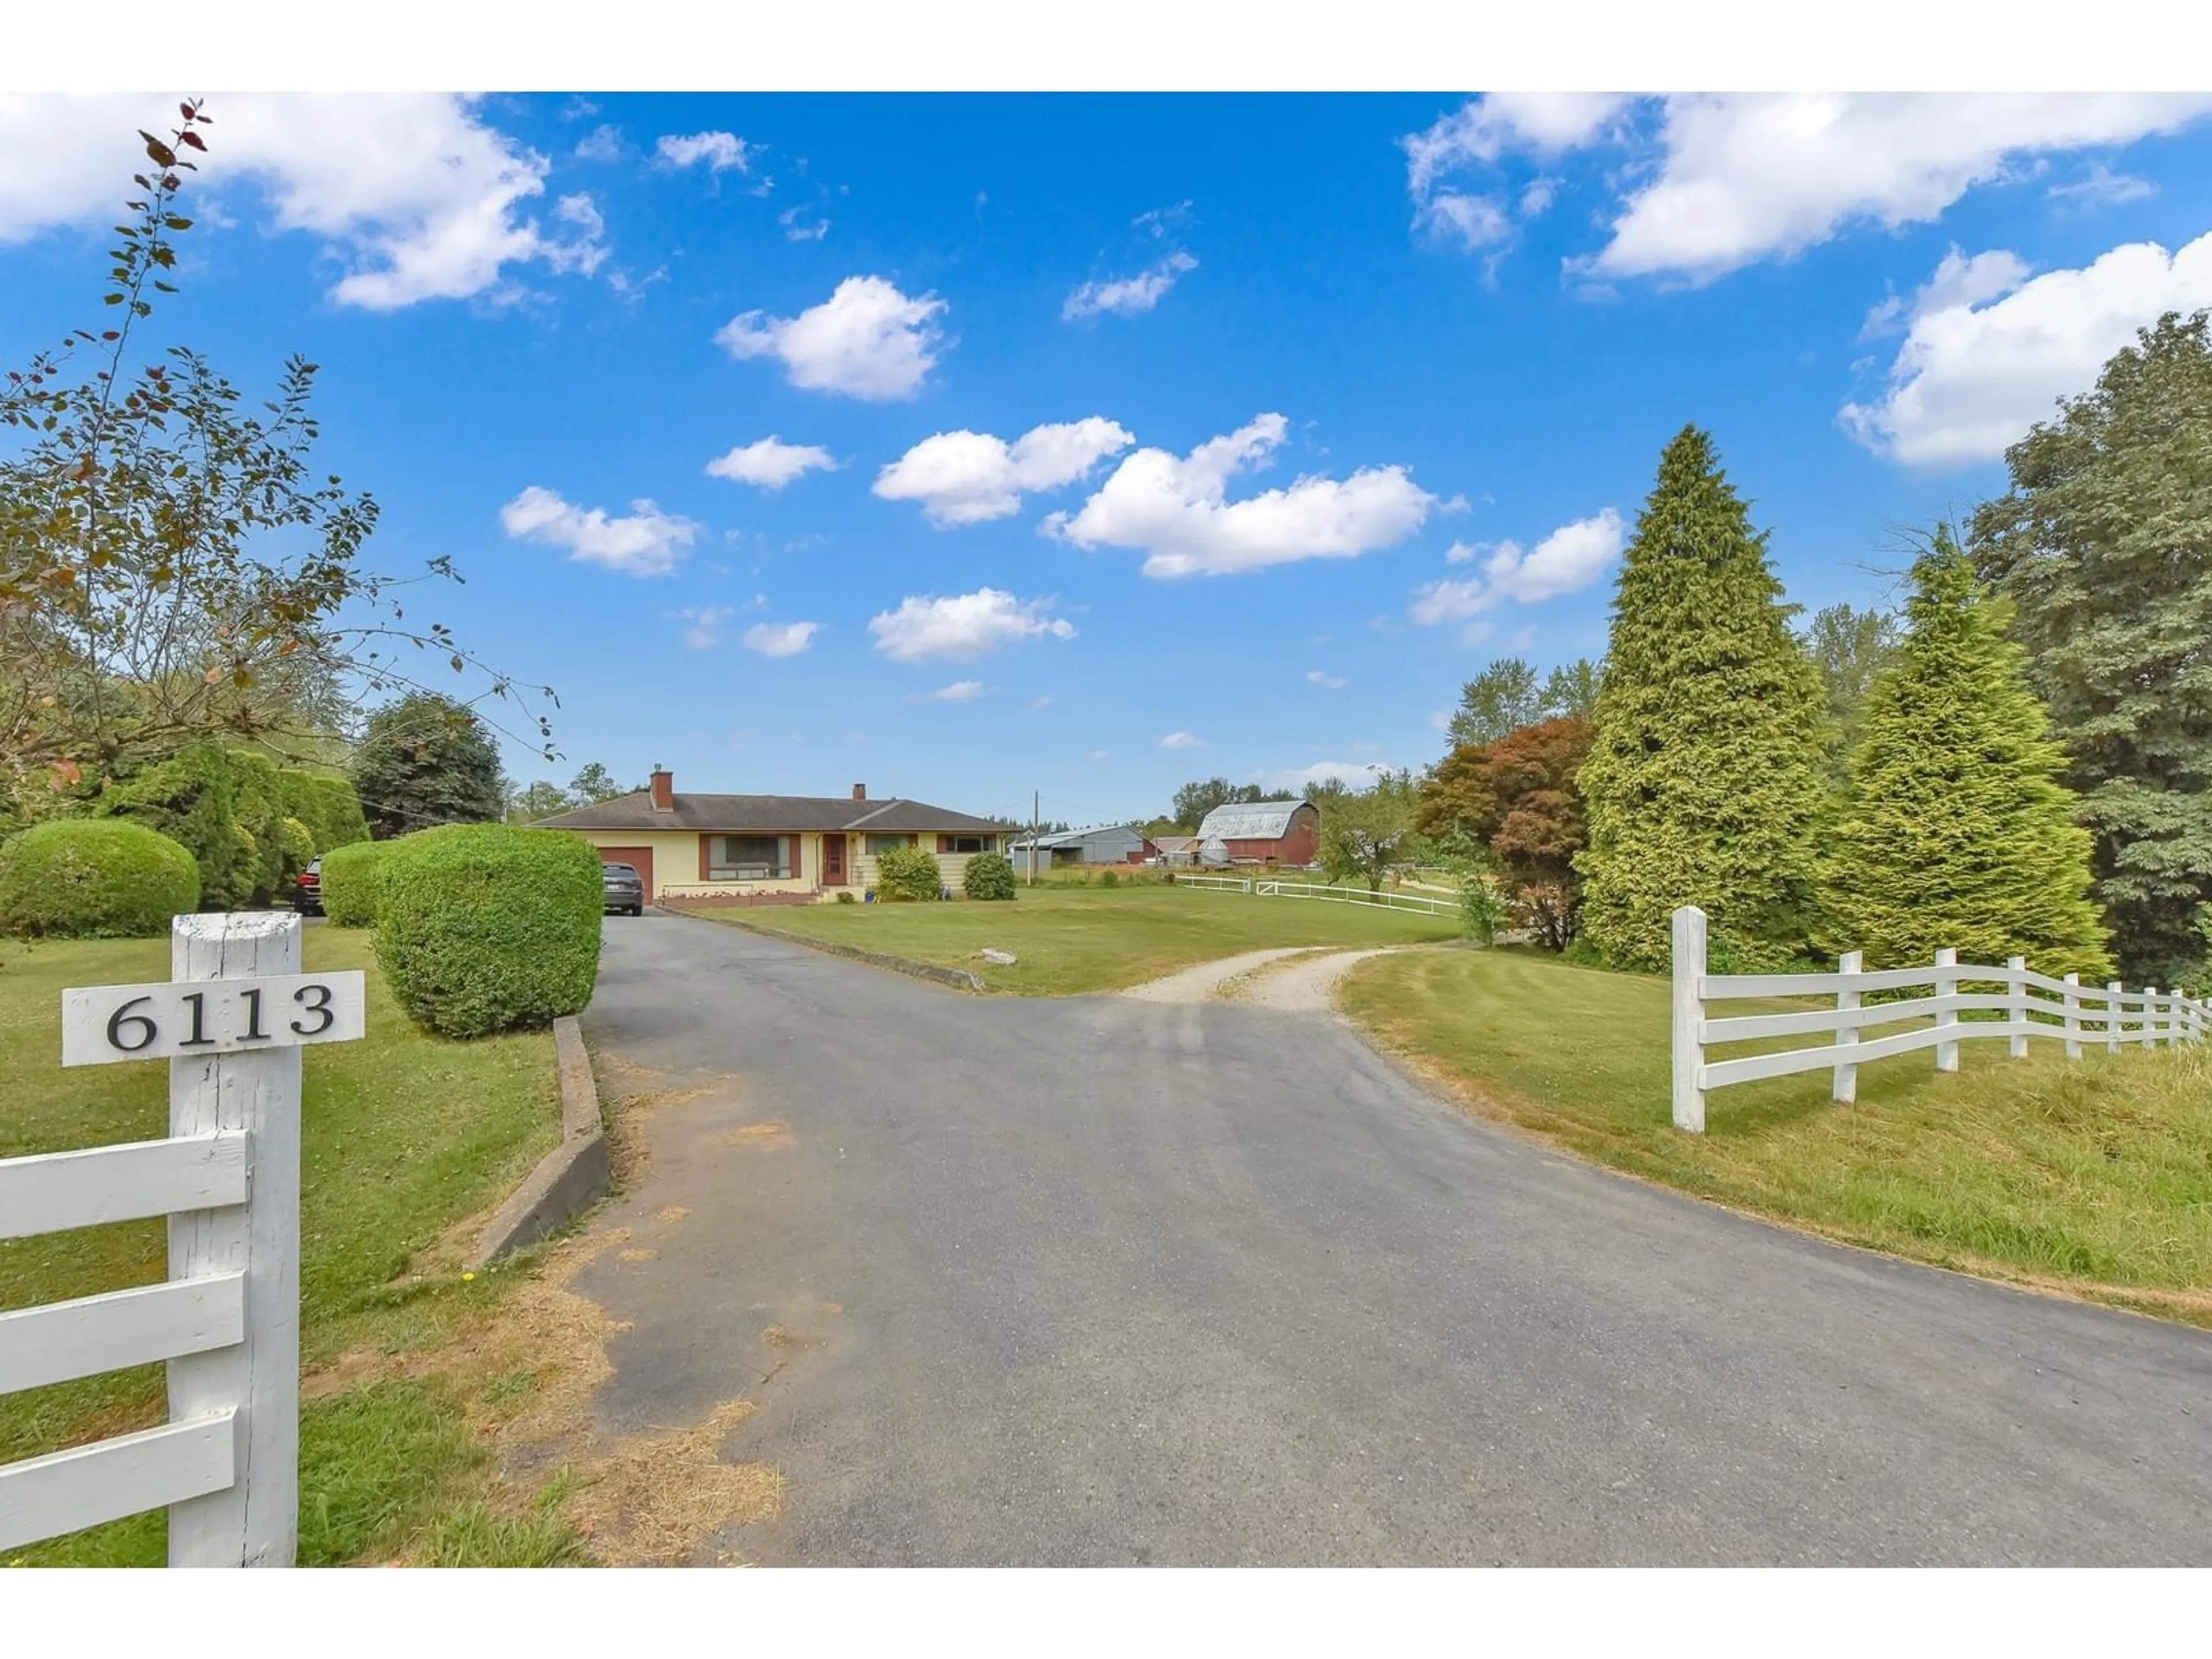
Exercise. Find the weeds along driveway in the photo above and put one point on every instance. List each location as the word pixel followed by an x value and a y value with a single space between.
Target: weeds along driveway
pixel 1106 1281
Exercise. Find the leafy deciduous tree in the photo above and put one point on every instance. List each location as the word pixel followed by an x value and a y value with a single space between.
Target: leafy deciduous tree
pixel 171 569
pixel 1365 833
pixel 1848 647
pixel 427 759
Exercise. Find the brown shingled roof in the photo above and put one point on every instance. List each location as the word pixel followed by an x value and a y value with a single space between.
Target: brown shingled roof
pixel 767 812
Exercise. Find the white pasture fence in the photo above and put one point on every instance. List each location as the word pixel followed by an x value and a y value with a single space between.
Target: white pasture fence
pixel 230 1022
pixel 2030 1005
pixel 1265 887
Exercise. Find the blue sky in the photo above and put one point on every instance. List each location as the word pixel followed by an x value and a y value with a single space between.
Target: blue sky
pixel 1327 399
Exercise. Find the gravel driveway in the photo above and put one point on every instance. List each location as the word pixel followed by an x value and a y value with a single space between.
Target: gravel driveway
pixel 1104 1281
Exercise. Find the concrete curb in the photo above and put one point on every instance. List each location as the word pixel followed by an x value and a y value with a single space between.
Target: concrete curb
pixel 959 978
pixel 568 1180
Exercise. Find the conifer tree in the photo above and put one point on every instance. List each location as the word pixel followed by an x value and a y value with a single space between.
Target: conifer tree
pixel 2103 546
pixel 1956 830
pixel 1703 781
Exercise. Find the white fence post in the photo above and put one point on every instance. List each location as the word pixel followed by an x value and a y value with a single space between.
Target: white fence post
pixel 2016 1004
pixel 2151 1016
pixel 2073 1017
pixel 1689 955
pixel 1947 983
pixel 1846 1089
pixel 254 1523
pixel 2113 1016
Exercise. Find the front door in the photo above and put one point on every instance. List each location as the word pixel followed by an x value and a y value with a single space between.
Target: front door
pixel 833 861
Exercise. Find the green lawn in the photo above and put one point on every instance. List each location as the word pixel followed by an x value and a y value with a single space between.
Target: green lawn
pixel 1073 939
pixel 2091 1176
pixel 403 1135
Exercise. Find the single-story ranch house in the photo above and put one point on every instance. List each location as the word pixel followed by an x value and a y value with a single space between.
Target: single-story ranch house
pixel 768 850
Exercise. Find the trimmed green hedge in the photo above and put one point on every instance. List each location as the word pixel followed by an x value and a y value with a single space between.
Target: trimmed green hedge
pixel 988 875
pixel 484 927
pixel 908 873
pixel 95 878
pixel 348 882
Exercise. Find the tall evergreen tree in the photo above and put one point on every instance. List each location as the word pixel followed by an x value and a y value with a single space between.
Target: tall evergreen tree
pixel 1703 779
pixel 1955 830
pixel 2103 546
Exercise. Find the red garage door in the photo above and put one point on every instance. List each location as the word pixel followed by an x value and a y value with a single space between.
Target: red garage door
pixel 639 859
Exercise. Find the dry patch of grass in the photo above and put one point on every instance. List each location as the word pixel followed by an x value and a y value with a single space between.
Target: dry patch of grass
pixel 2090 1177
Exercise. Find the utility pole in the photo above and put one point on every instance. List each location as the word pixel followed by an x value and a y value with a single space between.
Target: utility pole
pixel 1035 797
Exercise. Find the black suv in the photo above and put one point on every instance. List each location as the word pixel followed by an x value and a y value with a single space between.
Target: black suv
pixel 624 892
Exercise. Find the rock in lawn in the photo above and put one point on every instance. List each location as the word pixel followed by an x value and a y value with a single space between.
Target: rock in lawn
pixel 997 958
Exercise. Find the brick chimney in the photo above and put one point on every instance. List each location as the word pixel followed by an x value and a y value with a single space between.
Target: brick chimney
pixel 664 790
pixel 859 791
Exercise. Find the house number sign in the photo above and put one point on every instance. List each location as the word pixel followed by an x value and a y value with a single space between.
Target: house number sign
pixel 179 1019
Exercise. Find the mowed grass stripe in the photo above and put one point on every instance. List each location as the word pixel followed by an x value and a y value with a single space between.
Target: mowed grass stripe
pixel 2091 1176
pixel 1073 939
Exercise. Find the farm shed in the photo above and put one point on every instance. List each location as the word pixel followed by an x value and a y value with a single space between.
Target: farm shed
pixel 1115 844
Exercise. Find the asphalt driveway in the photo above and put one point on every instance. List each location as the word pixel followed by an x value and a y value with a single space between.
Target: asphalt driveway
pixel 1105 1282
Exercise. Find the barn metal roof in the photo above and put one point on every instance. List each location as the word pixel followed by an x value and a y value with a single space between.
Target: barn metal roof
pixel 1266 820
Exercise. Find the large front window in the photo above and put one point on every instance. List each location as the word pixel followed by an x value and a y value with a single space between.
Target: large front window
pixel 750 858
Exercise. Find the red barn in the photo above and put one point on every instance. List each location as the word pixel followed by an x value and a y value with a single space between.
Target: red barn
pixel 1285 832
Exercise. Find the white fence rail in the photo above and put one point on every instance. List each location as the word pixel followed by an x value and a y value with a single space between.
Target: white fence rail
pixel 2027 1005
pixel 226 1464
pixel 1263 887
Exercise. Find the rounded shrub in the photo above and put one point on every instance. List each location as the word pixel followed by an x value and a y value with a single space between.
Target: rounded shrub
pixel 95 878
pixel 348 882
pixel 908 873
pixel 988 875
pixel 1111 878
pixel 484 927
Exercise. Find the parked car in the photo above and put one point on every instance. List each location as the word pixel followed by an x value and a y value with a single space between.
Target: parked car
pixel 624 891
pixel 307 892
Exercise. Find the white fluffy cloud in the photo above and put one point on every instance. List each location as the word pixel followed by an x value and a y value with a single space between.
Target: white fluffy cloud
pixel 1990 351
pixel 964 626
pixel 1127 297
pixel 720 152
pixel 1175 509
pixel 770 463
pixel 967 478
pixel 1181 740
pixel 601 143
pixel 703 629
pixel 1478 135
pixel 647 543
pixel 866 340
pixel 1567 560
pixel 1327 680
pixel 414 194
pixel 1724 180
pixel 958 691
pixel 1749 176
pixel 781 639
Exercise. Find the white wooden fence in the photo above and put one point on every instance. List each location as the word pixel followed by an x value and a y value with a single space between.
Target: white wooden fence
pixel 2029 1005
pixel 226 1464
pixel 1263 887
